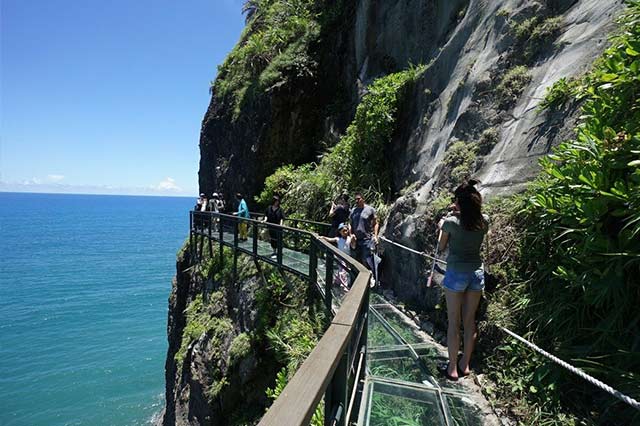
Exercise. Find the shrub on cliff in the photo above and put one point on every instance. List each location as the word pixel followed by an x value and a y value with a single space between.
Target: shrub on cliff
pixel 274 45
pixel 357 162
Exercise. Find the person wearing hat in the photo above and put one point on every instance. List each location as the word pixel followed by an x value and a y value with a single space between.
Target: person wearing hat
pixel 200 202
pixel 212 203
pixel 274 215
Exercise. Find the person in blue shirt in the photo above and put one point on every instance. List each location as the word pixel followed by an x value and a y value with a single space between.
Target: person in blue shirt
pixel 243 211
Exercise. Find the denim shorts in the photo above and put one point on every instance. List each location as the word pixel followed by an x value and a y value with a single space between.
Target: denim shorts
pixel 460 282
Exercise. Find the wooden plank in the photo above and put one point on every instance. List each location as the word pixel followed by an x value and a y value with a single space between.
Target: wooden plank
pixel 299 399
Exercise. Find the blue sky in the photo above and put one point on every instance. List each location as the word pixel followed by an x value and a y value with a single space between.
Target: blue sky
pixel 108 96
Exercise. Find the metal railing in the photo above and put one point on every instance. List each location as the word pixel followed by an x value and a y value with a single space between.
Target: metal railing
pixel 332 369
pixel 320 228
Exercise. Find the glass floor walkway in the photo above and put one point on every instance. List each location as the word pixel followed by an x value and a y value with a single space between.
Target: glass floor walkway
pixel 403 385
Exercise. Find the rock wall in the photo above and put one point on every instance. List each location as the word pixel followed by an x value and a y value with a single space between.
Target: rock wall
pixel 209 386
pixel 456 100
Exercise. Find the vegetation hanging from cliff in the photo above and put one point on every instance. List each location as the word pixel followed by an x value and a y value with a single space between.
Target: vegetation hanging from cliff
pixel 274 47
pixel 358 162
pixel 575 271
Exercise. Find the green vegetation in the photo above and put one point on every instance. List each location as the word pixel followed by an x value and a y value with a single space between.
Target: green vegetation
pixel 274 47
pixel 200 321
pixel 511 86
pixel 559 94
pixel 572 254
pixel 357 162
pixel 240 348
pixel 535 34
pixel 460 162
pixel 294 330
pixel 488 139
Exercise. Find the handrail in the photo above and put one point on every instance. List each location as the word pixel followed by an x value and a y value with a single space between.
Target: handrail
pixel 321 225
pixel 328 368
pixel 332 358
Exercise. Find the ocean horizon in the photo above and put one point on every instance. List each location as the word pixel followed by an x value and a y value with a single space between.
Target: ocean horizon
pixel 84 285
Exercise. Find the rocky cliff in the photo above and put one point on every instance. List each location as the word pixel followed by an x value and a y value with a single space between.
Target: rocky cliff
pixel 474 111
pixel 286 96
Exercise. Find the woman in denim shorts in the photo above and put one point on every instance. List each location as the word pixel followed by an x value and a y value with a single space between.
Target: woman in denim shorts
pixel 463 233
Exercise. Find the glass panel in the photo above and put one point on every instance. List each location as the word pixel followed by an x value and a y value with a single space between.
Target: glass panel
pixel 463 412
pixel 397 365
pixel 395 320
pixel 436 363
pixel 393 405
pixel 376 299
pixel 378 335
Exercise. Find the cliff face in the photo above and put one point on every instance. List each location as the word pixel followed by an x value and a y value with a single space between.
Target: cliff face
pixel 215 373
pixel 488 65
pixel 469 44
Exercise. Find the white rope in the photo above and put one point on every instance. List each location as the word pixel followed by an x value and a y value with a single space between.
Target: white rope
pixel 419 253
pixel 603 386
pixel 622 397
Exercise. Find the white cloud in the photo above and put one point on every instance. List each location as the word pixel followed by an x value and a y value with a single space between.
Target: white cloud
pixel 168 184
pixel 55 178
pixel 32 181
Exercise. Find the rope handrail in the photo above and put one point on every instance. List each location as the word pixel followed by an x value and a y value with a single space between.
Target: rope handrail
pixel 577 371
pixel 419 253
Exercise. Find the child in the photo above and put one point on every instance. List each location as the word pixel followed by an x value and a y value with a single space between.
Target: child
pixel 346 243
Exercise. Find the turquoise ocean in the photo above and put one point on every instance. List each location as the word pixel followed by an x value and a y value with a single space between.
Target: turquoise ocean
pixel 84 282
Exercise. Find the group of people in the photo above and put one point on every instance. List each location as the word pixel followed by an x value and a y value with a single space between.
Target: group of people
pixel 461 232
pixel 355 232
pixel 215 203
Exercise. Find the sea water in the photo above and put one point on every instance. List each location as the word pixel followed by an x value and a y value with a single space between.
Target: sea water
pixel 84 281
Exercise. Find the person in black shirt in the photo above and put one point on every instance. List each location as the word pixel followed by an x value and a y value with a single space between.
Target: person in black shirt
pixel 339 213
pixel 274 215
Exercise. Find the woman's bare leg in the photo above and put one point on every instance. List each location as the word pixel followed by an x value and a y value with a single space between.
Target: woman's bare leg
pixel 471 301
pixel 454 306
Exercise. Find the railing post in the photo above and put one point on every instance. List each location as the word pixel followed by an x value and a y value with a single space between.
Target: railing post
pixel 191 233
pixel 221 238
pixel 313 263
pixel 328 281
pixel 280 237
pixel 296 239
pixel 335 398
pixel 255 239
pixel 210 231
pixel 235 248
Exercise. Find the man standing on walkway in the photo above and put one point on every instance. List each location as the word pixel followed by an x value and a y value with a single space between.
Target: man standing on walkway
pixel 243 212
pixel 364 226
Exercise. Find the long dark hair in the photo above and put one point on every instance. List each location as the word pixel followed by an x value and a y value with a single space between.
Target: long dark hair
pixel 470 203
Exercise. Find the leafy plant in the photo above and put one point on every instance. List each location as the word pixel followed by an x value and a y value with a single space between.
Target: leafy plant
pixel 357 163
pixel 460 160
pixel 274 46
pixel 511 86
pixel 559 94
pixel 240 348
pixel 574 275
